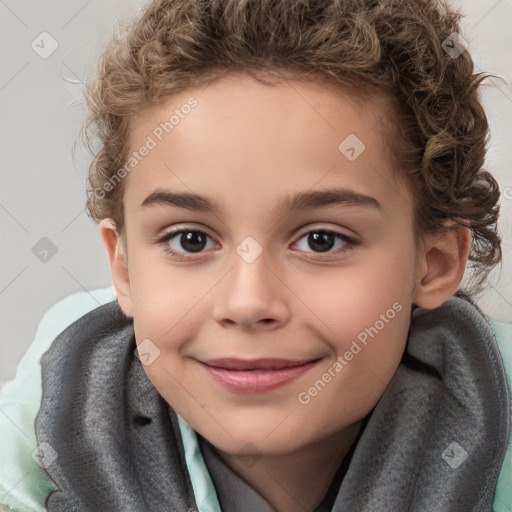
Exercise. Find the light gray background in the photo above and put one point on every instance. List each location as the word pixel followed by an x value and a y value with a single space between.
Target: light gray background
pixel 42 187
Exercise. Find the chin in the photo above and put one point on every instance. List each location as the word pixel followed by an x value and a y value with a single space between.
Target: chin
pixel 253 441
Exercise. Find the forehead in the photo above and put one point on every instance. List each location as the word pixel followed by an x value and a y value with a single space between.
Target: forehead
pixel 238 139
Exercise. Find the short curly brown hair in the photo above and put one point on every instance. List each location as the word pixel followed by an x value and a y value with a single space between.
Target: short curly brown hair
pixel 438 130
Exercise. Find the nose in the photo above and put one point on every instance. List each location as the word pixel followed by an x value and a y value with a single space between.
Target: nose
pixel 252 296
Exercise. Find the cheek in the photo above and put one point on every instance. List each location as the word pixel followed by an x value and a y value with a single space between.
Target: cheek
pixel 366 315
pixel 348 386
pixel 352 299
pixel 369 332
pixel 166 296
pixel 365 322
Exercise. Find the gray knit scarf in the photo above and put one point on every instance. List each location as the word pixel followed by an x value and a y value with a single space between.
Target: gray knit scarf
pixel 435 441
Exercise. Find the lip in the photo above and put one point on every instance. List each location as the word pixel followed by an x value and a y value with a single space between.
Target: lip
pixel 255 375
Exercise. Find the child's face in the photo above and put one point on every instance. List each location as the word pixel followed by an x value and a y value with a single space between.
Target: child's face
pixel 247 146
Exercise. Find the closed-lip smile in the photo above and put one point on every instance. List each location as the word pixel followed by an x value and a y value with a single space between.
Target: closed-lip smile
pixel 255 375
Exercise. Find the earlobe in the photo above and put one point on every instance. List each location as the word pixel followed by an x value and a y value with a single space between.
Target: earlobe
pixel 118 265
pixel 441 267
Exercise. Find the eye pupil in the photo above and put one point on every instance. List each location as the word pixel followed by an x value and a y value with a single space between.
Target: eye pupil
pixel 321 241
pixel 190 239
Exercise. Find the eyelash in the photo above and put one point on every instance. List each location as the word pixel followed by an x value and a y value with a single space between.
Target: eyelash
pixel 349 242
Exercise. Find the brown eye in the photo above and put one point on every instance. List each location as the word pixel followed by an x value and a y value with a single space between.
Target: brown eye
pixel 184 242
pixel 192 241
pixel 323 241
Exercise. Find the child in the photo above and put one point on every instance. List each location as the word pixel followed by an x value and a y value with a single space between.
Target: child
pixel 315 351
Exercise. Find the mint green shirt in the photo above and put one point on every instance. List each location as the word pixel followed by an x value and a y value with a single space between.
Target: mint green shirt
pixel 24 485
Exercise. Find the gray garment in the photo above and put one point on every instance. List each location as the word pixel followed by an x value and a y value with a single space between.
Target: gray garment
pixel 233 492
pixel 434 442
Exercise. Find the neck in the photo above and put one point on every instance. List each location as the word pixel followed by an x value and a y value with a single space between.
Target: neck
pixel 296 481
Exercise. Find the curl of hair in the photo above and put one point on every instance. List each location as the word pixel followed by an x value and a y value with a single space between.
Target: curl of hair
pixel 436 128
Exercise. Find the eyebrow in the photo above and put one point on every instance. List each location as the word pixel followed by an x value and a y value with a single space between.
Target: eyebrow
pixel 300 201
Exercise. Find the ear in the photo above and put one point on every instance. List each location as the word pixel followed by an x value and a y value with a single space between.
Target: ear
pixel 118 264
pixel 441 266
